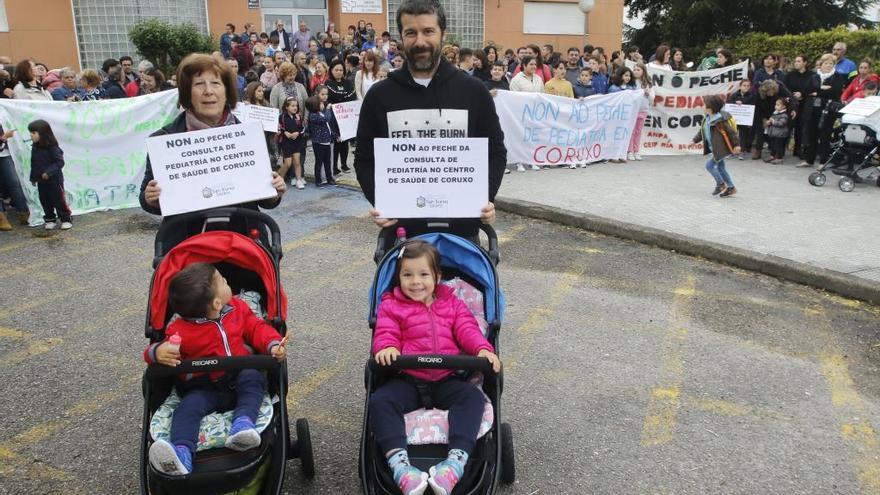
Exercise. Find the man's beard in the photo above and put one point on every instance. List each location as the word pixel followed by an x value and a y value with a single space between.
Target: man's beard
pixel 423 65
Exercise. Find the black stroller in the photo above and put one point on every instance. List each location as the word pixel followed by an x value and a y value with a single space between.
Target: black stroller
pixel 248 264
pixel 855 148
pixel 493 457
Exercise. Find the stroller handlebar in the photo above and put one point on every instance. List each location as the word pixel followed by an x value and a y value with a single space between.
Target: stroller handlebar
pixel 437 361
pixel 179 222
pixel 213 363
pixel 388 236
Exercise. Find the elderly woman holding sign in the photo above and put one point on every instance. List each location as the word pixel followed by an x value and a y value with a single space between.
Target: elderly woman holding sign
pixel 206 89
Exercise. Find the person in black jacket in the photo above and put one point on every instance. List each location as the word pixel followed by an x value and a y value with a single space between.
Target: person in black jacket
pixel 744 96
pixel 428 93
pixel 768 92
pixel 340 89
pixel 113 88
pixel 206 90
pixel 47 160
pixel 497 78
pixel 818 129
pixel 802 82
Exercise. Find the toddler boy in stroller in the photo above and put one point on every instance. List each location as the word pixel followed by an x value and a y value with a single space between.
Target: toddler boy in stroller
pixel 211 323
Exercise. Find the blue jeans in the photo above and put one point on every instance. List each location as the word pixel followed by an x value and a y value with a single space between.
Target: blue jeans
pixel 719 172
pixel 245 394
pixel 10 186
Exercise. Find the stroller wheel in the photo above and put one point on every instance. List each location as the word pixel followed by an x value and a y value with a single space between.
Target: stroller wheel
pixel 846 184
pixel 817 179
pixel 508 464
pixel 304 448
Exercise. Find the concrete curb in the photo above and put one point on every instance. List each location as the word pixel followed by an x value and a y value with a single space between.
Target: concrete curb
pixel 794 271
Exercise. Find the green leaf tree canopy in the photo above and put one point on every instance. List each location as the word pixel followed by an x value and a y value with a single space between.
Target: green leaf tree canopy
pixel 166 44
pixel 693 23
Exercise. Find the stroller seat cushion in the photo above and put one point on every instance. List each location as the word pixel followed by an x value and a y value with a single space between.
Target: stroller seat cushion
pixel 214 427
pixel 472 298
pixel 431 426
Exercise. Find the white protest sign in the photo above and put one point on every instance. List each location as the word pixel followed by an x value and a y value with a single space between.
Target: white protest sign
pixel 543 129
pixel 432 178
pixel 862 106
pixel 743 114
pixel 266 116
pixel 677 111
pixel 347 115
pixel 210 168
pixel 361 6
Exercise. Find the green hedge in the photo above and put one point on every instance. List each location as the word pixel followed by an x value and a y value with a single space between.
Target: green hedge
pixel 863 43
pixel 166 44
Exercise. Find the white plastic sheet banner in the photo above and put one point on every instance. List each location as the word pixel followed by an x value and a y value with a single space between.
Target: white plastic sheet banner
pixel 103 142
pixel 553 130
pixel 677 112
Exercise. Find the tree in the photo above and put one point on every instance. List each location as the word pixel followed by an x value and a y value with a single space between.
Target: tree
pixel 166 44
pixel 692 23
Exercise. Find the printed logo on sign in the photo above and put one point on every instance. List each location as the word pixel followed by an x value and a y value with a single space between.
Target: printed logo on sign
pixel 420 202
pixel 207 192
pixel 219 190
pixel 432 203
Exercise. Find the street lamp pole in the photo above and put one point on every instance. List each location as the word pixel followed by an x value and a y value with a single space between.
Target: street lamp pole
pixel 586 6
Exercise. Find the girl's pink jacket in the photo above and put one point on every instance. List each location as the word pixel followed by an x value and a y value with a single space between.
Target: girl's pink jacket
pixel 446 327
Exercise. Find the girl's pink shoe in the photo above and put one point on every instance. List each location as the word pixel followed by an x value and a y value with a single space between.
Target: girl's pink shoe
pixel 411 480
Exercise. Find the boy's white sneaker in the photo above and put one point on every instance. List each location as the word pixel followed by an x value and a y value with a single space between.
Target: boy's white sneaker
pixel 520 167
pixel 638 156
pixel 66 225
pixel 630 156
pixel 535 167
pixel 50 225
pixel 573 165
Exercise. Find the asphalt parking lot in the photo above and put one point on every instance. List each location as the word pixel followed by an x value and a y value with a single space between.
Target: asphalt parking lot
pixel 629 369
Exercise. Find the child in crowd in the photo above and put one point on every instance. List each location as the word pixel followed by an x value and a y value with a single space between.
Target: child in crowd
pixel 871 89
pixel 622 81
pixel 777 129
pixel 382 73
pixel 47 160
pixel 719 140
pixel 422 314
pixel 643 82
pixel 497 78
pixel 743 96
pixel 292 141
pixel 322 136
pixel 203 299
pixel 584 85
pixel 559 85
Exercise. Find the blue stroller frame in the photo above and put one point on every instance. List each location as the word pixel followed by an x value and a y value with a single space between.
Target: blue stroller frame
pixel 493 457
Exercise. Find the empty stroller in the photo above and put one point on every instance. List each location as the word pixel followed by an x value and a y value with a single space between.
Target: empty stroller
pixel 855 147
pixel 470 271
pixel 252 271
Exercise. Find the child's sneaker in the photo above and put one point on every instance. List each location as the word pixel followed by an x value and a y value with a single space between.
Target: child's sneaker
pixel 242 435
pixel 444 476
pixel 50 225
pixel 66 225
pixel 730 191
pixel 720 188
pixel 170 459
pixel 520 167
pixel 411 480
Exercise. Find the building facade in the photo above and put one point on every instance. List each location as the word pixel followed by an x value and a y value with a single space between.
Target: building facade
pixel 82 33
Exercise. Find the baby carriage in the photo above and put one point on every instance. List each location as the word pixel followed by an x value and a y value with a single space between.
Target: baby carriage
pixel 252 270
pixel 855 147
pixel 470 271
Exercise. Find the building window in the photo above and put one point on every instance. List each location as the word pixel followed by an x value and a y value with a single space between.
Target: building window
pixel 464 20
pixel 553 18
pixel 4 22
pixel 102 27
pixel 293 4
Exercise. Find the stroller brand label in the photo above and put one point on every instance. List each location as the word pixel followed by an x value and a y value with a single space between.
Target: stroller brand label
pixel 429 360
pixel 205 362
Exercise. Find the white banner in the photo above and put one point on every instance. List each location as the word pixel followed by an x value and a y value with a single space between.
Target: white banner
pixel 103 144
pixel 210 168
pixel 266 116
pixel 677 112
pixel 347 115
pixel 431 178
pixel 553 130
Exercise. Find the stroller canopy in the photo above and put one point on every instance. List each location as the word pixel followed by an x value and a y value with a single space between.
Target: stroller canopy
pixel 214 247
pixel 455 252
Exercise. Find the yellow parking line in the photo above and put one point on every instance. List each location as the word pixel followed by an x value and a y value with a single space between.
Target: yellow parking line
pixel 307 386
pixel 10 333
pixel 318 235
pixel 733 409
pixel 539 318
pixel 665 398
pixel 852 416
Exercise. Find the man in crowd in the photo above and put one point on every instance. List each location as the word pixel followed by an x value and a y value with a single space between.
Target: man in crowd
pixel 428 94
pixel 572 67
pixel 243 55
pixel 130 75
pixel 282 35
pixel 466 61
pixel 844 65
pixel 300 39
pixel 226 40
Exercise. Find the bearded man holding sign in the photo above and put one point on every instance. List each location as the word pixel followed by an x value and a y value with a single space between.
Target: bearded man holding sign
pixel 428 97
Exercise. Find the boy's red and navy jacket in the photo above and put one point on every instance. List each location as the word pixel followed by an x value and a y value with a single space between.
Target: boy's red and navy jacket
pixel 229 335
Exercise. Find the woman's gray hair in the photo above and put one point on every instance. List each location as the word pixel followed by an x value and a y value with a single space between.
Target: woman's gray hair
pixel 67 71
pixel 144 65
pixel 768 88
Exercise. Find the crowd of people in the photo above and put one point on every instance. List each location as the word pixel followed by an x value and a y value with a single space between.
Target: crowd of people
pixel 303 74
